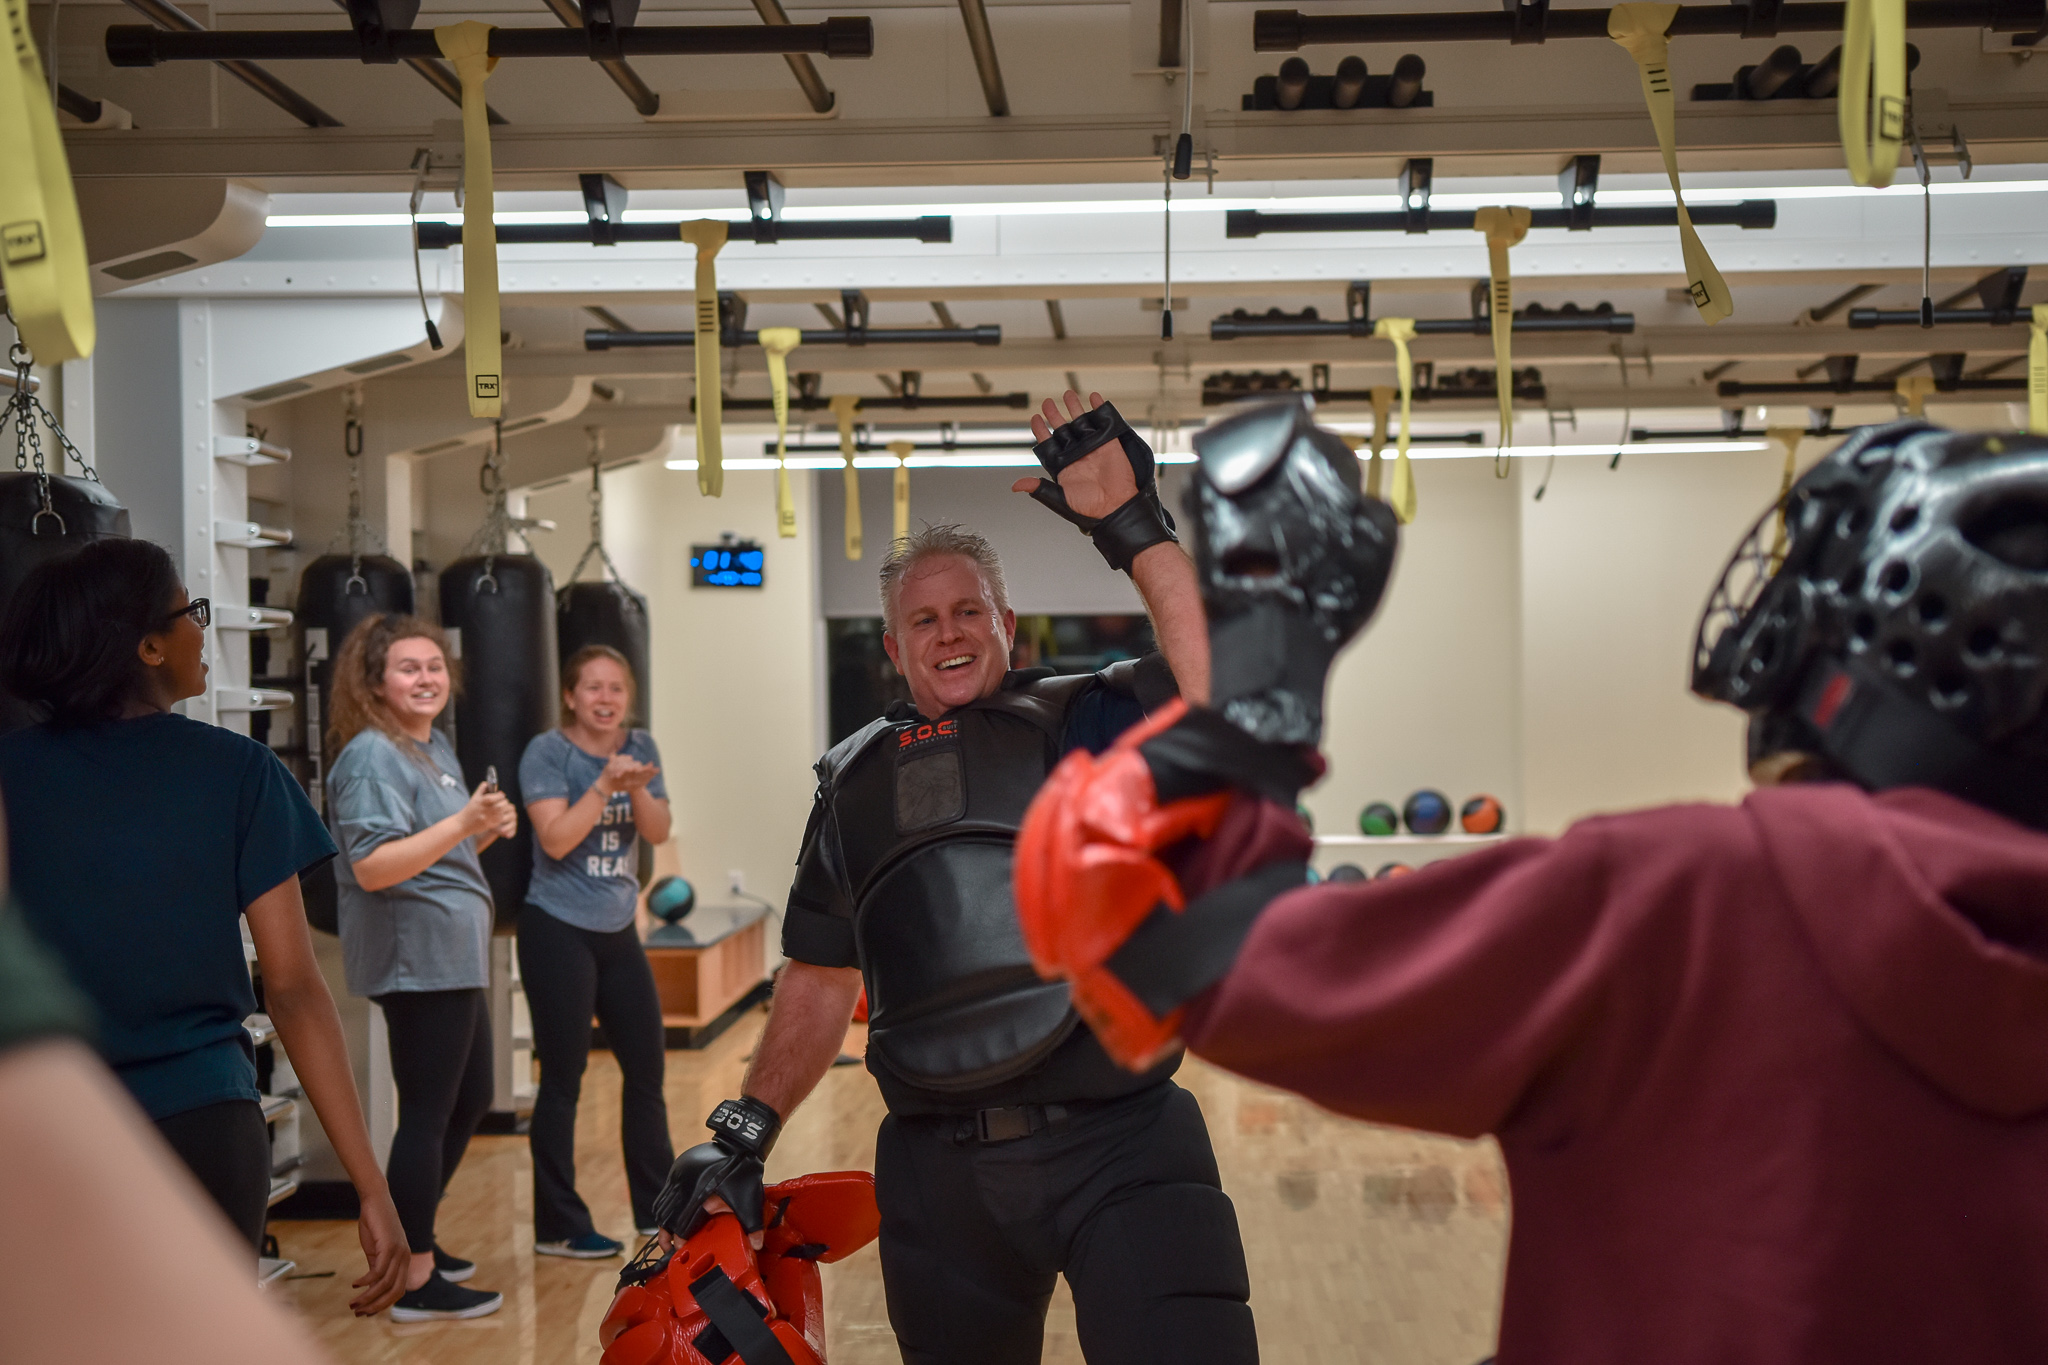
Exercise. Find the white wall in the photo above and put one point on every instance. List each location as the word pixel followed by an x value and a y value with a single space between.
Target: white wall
pixel 735 670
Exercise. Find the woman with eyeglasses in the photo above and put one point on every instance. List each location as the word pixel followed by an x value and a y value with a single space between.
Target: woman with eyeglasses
pixel 139 840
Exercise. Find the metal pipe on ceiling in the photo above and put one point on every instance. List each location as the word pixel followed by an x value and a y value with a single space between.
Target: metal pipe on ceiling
pixel 1286 30
pixel 1733 388
pixel 138 45
pixel 1750 213
pixel 901 402
pixel 1235 328
pixel 983 44
pixel 644 101
pixel 930 228
pixel 1216 398
pixel 437 74
pixel 807 76
pixel 169 17
pixel 598 339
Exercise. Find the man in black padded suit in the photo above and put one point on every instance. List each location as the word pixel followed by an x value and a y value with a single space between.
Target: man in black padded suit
pixel 1014 1149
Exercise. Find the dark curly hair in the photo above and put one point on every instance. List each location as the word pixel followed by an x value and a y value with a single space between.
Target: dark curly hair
pixel 69 640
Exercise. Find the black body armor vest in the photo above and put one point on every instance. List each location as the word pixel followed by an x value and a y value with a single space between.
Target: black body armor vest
pixel 926 814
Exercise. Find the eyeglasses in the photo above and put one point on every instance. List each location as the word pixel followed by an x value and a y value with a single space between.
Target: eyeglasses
pixel 200 609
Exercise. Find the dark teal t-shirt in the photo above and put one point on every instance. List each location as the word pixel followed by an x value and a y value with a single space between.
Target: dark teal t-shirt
pixel 134 847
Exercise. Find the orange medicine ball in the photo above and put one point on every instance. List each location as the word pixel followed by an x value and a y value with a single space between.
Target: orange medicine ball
pixel 1482 815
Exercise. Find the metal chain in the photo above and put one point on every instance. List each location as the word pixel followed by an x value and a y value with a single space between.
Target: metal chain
pixel 493 538
pixel 25 411
pixel 596 497
pixel 352 447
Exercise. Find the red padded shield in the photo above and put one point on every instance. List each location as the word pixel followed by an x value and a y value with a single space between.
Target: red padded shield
pixel 813 1218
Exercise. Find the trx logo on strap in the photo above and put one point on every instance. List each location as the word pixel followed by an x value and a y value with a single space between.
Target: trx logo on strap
pixel 1891 118
pixel 22 242
pixel 1701 295
pixel 487 386
pixel 918 734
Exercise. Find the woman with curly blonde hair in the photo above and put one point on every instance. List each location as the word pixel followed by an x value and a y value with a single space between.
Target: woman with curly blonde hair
pixel 415 917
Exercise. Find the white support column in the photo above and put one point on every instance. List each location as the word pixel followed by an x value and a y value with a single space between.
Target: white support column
pixel 76 411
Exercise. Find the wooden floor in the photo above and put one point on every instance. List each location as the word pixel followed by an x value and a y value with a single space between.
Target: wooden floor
pixel 1366 1244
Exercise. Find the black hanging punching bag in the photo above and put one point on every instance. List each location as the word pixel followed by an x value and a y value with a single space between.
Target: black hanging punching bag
pixel 504 608
pixel 336 594
pixel 84 511
pixel 607 613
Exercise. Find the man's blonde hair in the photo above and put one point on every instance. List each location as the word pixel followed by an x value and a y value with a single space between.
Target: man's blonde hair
pixel 907 552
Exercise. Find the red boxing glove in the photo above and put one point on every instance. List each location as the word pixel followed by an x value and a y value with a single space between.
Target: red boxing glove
pixel 1088 877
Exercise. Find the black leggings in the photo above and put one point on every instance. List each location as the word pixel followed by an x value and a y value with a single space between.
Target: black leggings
pixel 441 1060
pixel 227 1148
pixel 570 974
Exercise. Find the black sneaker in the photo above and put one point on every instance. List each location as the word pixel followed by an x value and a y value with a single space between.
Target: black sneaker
pixel 437 1299
pixel 452 1268
pixel 591 1246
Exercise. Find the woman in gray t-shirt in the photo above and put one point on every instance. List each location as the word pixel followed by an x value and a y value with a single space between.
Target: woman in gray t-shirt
pixel 415 916
pixel 593 790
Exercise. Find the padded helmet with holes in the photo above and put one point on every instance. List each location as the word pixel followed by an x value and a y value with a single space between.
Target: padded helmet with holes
pixel 1898 625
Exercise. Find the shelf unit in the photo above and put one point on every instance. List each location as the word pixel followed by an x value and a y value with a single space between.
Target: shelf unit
pixel 1371 852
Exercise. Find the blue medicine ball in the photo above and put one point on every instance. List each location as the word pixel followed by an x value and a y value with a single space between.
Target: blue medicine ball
pixel 671 898
pixel 1427 812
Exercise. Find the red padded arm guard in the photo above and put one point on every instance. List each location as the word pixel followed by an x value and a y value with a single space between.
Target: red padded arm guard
pixel 1088 874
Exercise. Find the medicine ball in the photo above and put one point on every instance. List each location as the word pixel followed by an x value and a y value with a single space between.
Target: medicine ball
pixel 1391 870
pixel 1482 815
pixel 1379 820
pixel 85 512
pixel 1346 872
pixel 337 593
pixel 499 611
pixel 1427 812
pixel 671 899
pixel 607 613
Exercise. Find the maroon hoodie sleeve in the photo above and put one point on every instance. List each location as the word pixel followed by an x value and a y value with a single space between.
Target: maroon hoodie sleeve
pixel 1437 1001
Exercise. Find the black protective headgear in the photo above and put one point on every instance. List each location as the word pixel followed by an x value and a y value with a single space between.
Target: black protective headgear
pixel 1292 558
pixel 1904 635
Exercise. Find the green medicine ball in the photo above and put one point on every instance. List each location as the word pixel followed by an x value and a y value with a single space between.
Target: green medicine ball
pixel 1379 820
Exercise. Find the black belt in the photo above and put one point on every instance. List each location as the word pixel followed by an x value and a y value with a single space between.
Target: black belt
pixel 1014 1122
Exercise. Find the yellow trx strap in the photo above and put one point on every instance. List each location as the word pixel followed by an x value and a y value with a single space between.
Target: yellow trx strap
pixel 1503 228
pixel 1871 105
pixel 778 342
pixel 901 450
pixel 843 407
pixel 1913 391
pixel 1640 28
pixel 42 246
pixel 1400 331
pixel 1788 437
pixel 1382 404
pixel 467 47
pixel 2037 373
pixel 708 235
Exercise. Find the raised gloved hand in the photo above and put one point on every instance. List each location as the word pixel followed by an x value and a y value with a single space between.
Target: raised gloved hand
pixel 1292 559
pixel 729 1167
pixel 1123 516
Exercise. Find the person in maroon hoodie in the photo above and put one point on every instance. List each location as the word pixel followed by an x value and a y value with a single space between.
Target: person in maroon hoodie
pixel 1771 1080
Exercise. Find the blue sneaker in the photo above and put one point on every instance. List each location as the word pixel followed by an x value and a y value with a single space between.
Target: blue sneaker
pixel 591 1246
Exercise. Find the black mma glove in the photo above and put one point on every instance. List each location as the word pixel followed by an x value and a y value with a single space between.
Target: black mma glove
pixel 1138 524
pixel 743 1132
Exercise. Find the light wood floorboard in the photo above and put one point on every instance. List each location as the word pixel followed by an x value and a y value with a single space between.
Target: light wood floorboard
pixel 1366 1244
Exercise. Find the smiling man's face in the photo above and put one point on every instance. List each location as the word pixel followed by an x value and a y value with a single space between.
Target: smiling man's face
pixel 949 640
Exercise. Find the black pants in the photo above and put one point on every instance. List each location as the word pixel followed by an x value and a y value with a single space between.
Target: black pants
pixel 1125 1202
pixel 227 1148
pixel 570 974
pixel 441 1060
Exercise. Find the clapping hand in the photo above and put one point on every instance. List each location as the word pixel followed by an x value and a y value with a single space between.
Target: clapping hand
pixel 623 773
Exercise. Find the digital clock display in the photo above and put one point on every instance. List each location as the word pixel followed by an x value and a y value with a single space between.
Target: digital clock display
pixel 731 564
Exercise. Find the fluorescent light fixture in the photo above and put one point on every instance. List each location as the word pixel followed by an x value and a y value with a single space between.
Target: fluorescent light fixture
pixel 1487 452
pixel 937 459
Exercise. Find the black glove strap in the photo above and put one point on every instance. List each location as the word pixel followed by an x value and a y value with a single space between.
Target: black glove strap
pixel 737 1323
pixel 1204 752
pixel 745 1125
pixel 1136 526
pixel 1176 955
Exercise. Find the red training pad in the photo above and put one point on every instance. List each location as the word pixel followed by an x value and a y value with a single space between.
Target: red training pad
pixel 833 1209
